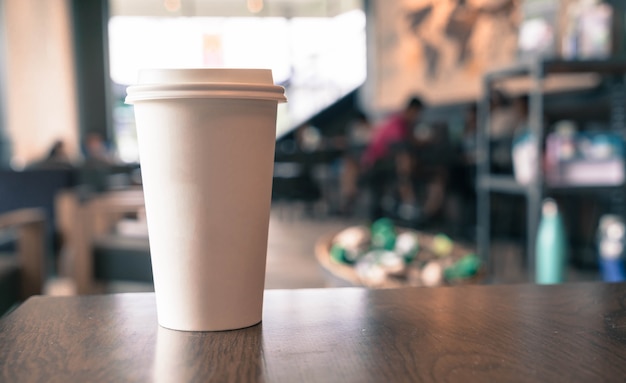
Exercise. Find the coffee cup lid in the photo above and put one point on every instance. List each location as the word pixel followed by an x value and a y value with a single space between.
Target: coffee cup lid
pixel 157 84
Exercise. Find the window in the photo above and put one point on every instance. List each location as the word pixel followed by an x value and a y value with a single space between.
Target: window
pixel 317 59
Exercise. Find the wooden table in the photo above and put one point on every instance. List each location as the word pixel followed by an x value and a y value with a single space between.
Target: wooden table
pixel 566 333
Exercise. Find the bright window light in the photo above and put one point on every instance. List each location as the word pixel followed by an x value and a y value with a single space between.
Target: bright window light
pixel 318 60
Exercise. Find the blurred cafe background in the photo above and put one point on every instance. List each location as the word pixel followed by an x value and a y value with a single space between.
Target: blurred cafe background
pixel 425 142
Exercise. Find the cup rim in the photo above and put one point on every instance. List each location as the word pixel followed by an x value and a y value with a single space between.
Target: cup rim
pixel 181 83
pixel 137 93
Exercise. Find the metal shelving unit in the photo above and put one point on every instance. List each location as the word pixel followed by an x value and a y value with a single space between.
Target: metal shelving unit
pixel 486 183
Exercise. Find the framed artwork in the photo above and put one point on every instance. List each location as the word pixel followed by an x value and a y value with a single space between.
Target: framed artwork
pixel 438 49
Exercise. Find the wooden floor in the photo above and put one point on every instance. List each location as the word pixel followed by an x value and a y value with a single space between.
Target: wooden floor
pixel 291 259
pixel 291 262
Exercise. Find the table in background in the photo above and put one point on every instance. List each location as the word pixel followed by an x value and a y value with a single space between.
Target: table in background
pixel 570 332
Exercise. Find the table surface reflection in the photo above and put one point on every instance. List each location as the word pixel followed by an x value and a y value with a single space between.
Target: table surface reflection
pixel 569 332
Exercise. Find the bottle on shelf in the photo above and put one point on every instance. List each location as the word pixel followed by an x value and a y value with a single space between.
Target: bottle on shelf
pixel 551 248
pixel 611 235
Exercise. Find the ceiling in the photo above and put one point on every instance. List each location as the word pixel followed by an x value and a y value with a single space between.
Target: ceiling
pixel 233 8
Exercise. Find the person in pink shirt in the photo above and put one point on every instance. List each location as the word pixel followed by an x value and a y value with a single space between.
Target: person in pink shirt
pixel 396 129
pixel 385 158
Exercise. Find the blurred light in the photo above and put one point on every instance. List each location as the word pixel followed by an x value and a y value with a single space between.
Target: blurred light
pixel 615 230
pixel 172 5
pixel 255 6
pixel 17 164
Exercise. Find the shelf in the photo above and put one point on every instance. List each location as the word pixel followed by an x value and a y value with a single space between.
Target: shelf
pixel 615 66
pixel 611 66
pixel 502 183
pixel 516 70
pixel 507 184
pixel 538 74
pixel 583 188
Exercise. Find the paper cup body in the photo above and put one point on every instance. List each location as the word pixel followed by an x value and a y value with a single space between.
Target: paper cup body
pixel 207 154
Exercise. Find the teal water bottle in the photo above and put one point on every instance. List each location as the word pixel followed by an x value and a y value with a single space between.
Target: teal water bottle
pixel 550 249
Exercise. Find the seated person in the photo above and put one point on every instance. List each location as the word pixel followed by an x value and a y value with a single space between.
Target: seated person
pixel 379 159
pixel 57 159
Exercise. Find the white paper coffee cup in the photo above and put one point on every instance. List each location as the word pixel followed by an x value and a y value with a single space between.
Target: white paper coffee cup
pixel 206 143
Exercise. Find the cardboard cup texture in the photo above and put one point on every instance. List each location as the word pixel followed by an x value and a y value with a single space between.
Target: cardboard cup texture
pixel 207 153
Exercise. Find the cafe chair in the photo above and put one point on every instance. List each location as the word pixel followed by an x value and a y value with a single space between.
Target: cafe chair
pixel 23 239
pixel 96 252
